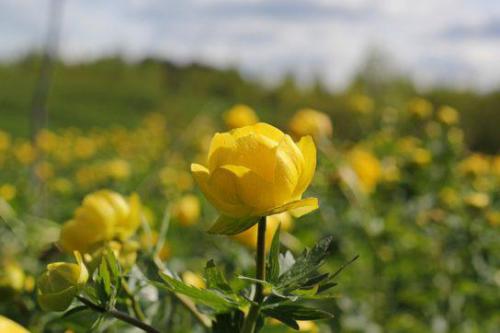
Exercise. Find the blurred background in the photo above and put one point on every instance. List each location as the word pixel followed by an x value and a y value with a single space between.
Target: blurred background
pixel 125 94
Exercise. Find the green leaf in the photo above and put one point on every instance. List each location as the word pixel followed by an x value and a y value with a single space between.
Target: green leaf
pixel 305 267
pixel 215 278
pixel 273 271
pixel 294 311
pixel 103 282
pixel 213 299
pixel 225 225
pixel 113 265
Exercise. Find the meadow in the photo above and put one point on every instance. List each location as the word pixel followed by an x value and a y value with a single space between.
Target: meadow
pixel 408 180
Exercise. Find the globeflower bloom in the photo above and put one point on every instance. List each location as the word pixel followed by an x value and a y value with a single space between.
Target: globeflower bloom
pixel 367 168
pixel 103 215
pixel 256 171
pixel 240 115
pixel 60 283
pixel 311 122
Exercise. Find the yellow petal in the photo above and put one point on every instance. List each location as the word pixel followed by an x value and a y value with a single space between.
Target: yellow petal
pixel 81 235
pixel 297 208
pixel 226 203
pixel 308 149
pixel 243 151
pixel 289 164
pixel 264 129
pixel 253 191
pixel 119 204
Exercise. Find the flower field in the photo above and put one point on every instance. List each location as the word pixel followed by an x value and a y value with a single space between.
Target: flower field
pixel 109 223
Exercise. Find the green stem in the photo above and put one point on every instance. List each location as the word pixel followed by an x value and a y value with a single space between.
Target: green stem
pixel 118 315
pixel 260 274
pixel 134 304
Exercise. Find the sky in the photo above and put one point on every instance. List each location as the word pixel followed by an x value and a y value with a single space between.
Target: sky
pixel 453 42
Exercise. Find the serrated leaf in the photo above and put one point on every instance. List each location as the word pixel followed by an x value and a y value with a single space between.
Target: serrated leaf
pixel 305 266
pixel 295 312
pixel 273 271
pixel 215 278
pixel 225 225
pixel 208 297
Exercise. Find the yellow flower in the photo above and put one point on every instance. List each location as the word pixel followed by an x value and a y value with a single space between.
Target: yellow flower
pixel 9 326
pixel 311 122
pixel 240 115
pixel 493 218
pixel 307 326
pixel 187 210
pixel 8 192
pixel 420 108
pixel 46 140
pixel 117 169
pixel 25 153
pixel 103 215
pixel 367 168
pixel 256 171
pixel 11 279
pixel 194 280
pixel 477 199
pixel 361 103
pixel 4 140
pixel 84 148
pixel 44 170
pixel 476 164
pixel 422 156
pixel 60 283
pixel 447 115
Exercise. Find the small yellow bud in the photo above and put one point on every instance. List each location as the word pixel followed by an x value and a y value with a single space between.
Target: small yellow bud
pixel 311 122
pixel 60 283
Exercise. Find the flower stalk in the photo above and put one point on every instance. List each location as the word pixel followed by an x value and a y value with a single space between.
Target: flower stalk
pixel 119 315
pixel 260 274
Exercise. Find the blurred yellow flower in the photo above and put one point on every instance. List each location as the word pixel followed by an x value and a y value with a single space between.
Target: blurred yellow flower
pixel 308 326
pixel 186 210
pixel 311 122
pixel 44 170
pixel 367 168
pixel 422 156
pixel 448 115
pixel 60 283
pixel 84 148
pixel 5 140
pixel 239 116
pixel 11 279
pixel 361 103
pixel 476 164
pixel 477 199
pixel 25 153
pixel 103 215
pixel 9 326
pixel 8 192
pixel 117 169
pixel 420 107
pixel 493 218
pixel 46 140
pixel 449 197
pixel 257 171
pixel 61 185
pixel 194 280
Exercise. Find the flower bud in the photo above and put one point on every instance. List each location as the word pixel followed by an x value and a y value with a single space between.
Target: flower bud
pixel 60 283
pixel 11 280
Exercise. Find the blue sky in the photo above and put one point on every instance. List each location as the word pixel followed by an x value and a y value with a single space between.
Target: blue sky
pixel 452 41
